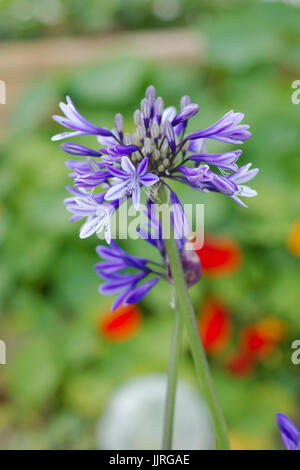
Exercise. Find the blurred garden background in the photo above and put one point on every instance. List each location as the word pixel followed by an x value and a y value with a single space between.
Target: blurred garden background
pixel 66 354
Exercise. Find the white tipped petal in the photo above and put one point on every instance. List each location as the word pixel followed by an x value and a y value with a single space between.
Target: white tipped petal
pixel 117 191
pixel 127 166
pixel 245 191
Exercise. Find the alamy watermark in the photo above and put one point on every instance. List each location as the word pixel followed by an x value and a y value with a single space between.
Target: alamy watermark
pixel 187 221
pixel 296 94
pixel 2 92
pixel 2 352
pixel 296 353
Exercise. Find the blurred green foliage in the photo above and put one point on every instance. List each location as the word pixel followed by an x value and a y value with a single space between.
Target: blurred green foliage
pixel 34 18
pixel 60 372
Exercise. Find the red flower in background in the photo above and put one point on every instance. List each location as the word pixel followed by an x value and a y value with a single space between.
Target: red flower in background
pixel 240 364
pixel 121 324
pixel 256 342
pixel 260 339
pixel 214 326
pixel 219 256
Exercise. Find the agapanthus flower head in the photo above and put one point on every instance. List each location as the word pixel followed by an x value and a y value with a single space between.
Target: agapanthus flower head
pixel 289 432
pixel 158 151
pixel 123 166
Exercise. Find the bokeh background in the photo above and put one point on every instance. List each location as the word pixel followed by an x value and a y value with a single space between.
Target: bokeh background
pixel 66 354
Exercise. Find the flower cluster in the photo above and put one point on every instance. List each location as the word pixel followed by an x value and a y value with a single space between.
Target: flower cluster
pixel 160 150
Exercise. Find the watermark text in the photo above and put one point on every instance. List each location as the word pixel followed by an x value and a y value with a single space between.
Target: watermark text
pixel 2 92
pixel 296 94
pixel 2 352
pixel 296 352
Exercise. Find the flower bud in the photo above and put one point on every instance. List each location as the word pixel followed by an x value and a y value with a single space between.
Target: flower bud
pixel 185 101
pixel 186 113
pixel 191 267
pixel 170 135
pixel 119 121
pixel 137 117
pixel 159 107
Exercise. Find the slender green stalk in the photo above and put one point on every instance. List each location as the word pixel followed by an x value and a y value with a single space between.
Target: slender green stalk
pixel 189 319
pixel 172 380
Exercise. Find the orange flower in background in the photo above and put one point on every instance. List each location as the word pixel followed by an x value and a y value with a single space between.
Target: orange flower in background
pixel 121 324
pixel 294 238
pixel 219 256
pixel 214 326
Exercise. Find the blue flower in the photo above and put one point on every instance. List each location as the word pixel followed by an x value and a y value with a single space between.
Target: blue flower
pixel 114 271
pixel 290 434
pixel 228 129
pixel 203 179
pixel 159 151
pixel 79 125
pixel 92 207
pixel 129 180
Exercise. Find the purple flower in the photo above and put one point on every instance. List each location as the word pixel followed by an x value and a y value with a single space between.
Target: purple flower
pixel 227 129
pixel 290 434
pixel 92 207
pixel 129 180
pixel 77 149
pixel 114 153
pixel 90 179
pixel 243 175
pixel 125 274
pixel 158 151
pixel 227 160
pixel 73 120
pixel 170 136
pixel 186 113
pixel 203 179
pixel 114 271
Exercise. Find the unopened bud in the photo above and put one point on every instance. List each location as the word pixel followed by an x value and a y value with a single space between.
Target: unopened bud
pixel 119 121
pixel 156 154
pixel 148 146
pixel 135 139
pixel 170 135
pixel 146 108
pixel 128 139
pixel 151 94
pixel 186 113
pixel 140 132
pixel 185 101
pixel 159 107
pixel 137 117
pixel 155 131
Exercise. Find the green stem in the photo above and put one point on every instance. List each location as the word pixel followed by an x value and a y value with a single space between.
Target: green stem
pixel 172 380
pixel 189 319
